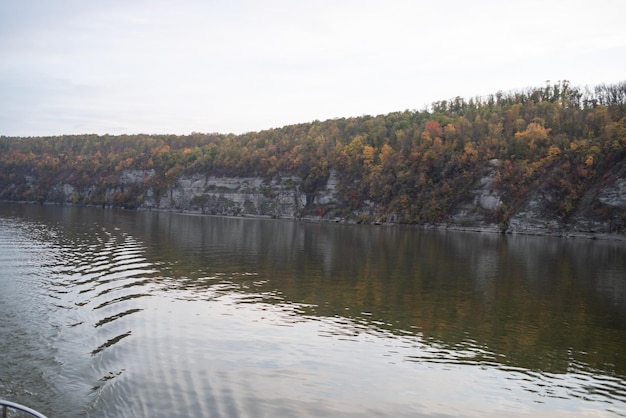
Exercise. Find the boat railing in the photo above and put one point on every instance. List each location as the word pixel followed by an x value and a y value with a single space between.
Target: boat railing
pixel 6 406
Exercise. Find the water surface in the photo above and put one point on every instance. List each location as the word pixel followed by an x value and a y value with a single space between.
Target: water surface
pixel 110 313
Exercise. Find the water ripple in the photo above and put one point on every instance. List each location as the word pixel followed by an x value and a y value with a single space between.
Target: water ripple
pixel 110 342
pixel 112 318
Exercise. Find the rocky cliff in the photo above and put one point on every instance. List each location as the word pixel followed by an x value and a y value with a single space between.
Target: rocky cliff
pixel 280 197
pixel 601 211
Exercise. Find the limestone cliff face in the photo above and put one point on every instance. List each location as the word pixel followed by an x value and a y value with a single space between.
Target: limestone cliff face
pixel 614 194
pixel 538 214
pixel 535 215
pixel 485 199
pixel 280 197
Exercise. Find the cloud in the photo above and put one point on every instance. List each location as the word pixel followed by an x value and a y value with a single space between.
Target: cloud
pixel 234 66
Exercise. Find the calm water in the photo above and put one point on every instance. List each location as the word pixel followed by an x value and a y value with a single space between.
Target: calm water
pixel 142 314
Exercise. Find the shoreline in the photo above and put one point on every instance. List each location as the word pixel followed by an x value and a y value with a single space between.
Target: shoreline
pixel 476 229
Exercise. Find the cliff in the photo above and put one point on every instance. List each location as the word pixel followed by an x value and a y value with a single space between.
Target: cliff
pixel 549 160
pixel 283 197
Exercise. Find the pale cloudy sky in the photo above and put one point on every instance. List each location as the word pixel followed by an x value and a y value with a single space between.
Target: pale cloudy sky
pixel 157 66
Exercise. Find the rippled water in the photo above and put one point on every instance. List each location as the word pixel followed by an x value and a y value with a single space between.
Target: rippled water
pixel 110 313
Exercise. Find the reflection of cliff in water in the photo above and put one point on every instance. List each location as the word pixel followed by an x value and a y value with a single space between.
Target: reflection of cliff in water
pixel 538 303
pixel 516 313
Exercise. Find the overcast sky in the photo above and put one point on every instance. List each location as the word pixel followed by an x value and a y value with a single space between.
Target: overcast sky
pixel 150 66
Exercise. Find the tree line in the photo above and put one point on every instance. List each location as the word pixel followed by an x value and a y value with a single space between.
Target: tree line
pixel 415 164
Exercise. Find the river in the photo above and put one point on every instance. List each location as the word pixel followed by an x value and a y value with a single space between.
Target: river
pixel 110 313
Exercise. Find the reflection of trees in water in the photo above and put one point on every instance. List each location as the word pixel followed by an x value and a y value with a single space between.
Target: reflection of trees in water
pixel 536 302
pixel 530 305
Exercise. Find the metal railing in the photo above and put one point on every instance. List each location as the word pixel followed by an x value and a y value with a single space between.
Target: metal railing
pixel 5 406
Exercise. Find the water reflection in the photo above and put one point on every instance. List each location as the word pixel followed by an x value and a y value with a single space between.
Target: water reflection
pixel 526 303
pixel 181 306
pixel 535 301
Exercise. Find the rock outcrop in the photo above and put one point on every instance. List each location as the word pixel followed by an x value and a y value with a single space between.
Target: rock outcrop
pixel 280 197
pixel 478 211
pixel 283 197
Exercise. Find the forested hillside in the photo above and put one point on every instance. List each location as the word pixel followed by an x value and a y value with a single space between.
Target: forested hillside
pixel 416 167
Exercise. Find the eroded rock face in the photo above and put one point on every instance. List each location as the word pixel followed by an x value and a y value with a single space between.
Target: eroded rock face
pixel 601 210
pixel 485 195
pixel 535 216
pixel 234 196
pixel 278 197
pixel 485 200
pixel 615 194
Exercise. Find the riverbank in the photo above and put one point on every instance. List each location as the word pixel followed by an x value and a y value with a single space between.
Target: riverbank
pixel 479 229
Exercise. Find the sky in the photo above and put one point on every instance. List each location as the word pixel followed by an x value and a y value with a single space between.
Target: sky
pixel 236 66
